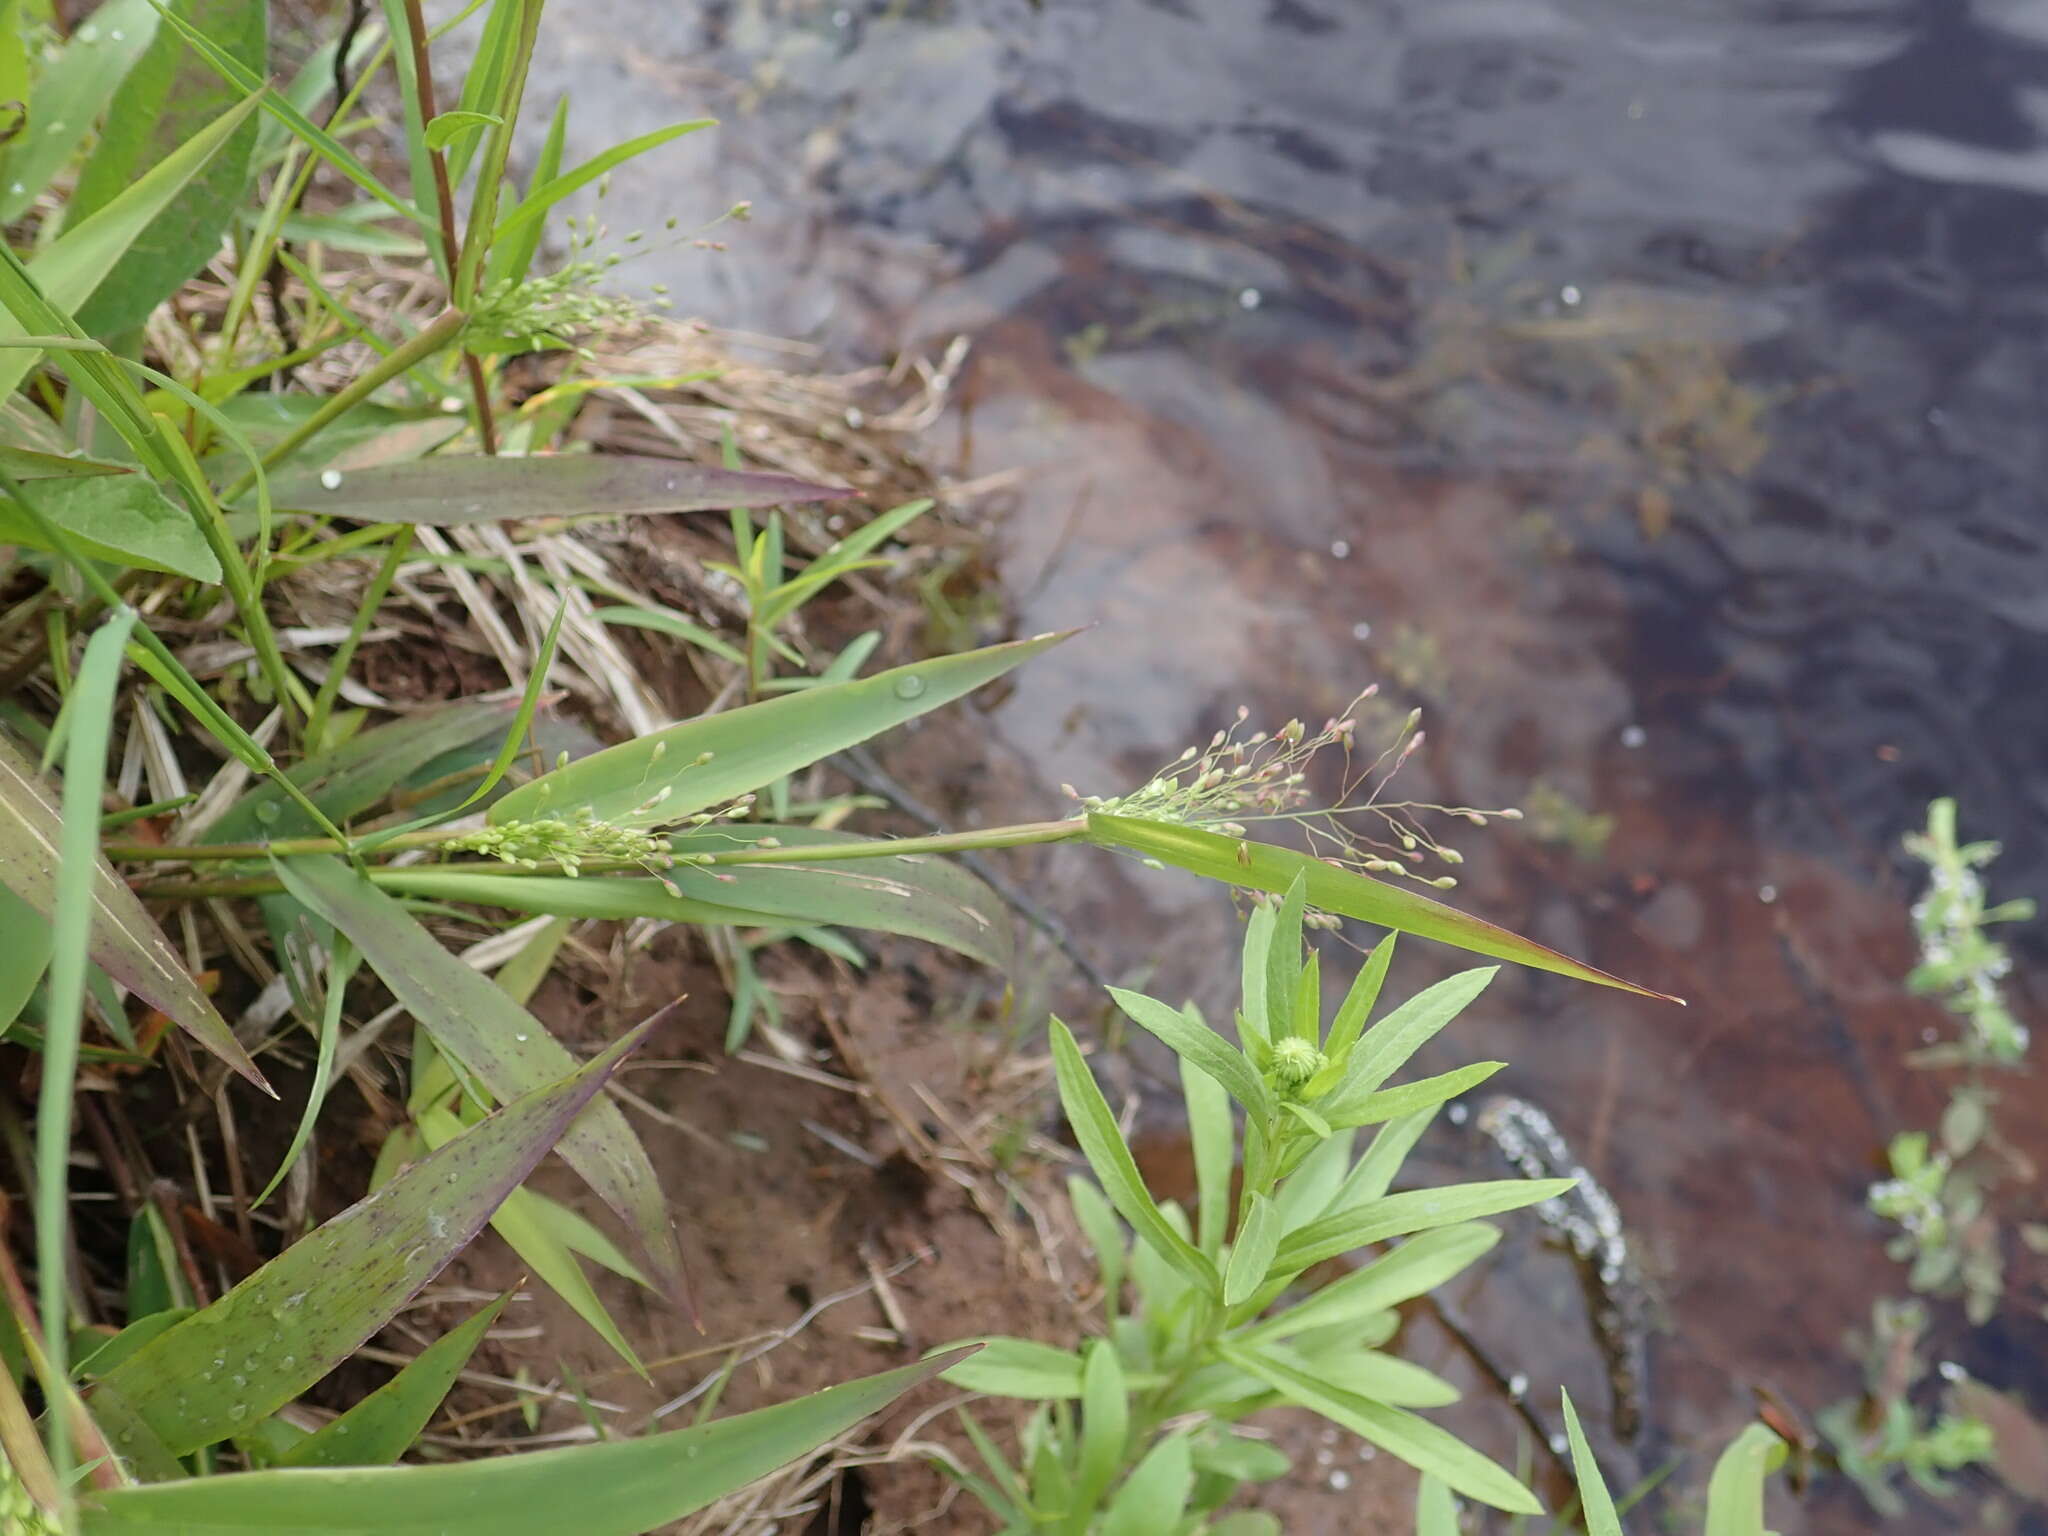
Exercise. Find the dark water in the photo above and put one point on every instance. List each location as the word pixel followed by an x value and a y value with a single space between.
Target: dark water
pixel 1653 392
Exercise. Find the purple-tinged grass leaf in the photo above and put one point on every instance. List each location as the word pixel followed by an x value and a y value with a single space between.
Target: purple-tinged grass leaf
pixel 126 942
pixel 1263 867
pixel 310 1308
pixel 492 1039
pixel 444 492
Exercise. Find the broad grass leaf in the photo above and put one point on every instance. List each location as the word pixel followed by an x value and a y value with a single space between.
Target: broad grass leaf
pixel 169 97
pixel 1735 1492
pixel 492 1039
pixel 33 464
pixel 126 942
pixel 357 775
pixel 1006 1367
pixel 1194 1042
pixel 1115 1169
pixel 1154 1498
pixel 67 98
pixel 1594 1500
pixel 1423 1445
pixel 660 778
pixel 307 1310
pixel 617 1488
pixel 1105 1236
pixel 70 270
pixel 1263 867
pixel 1389 1044
pixel 445 492
pixel 1418 1266
pixel 1415 1210
pixel 1252 1253
pixel 1368 1373
pixel 125 520
pixel 382 1427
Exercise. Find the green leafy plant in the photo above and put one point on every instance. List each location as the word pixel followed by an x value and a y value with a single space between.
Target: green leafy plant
pixel 1135 1430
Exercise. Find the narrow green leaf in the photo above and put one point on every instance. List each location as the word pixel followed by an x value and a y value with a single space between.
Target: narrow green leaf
pixel 1006 1367
pixel 1258 944
pixel 1252 1254
pixel 169 98
pixel 1415 1210
pixel 617 1488
pixel 519 1222
pixel 25 954
pixel 448 492
pixel 1389 1044
pixel 1212 1138
pixel 311 1307
pixel 1418 1442
pixel 1105 1421
pixel 340 968
pixel 1735 1492
pixel 1594 1500
pixel 1154 1498
pixel 1117 1171
pixel 1358 1002
pixel 535 205
pixel 494 1040
pixel 1427 1093
pixel 126 942
pixel 1368 1373
pixel 382 1427
pixel 1436 1511
pixel 1418 1266
pixel 511 259
pixel 122 519
pixel 661 778
pixel 1105 1236
pixel 1263 867
pixel 1283 962
pixel 1305 1194
pixel 450 126
pixel 1196 1043
pixel 1374 1174
pixel 668 622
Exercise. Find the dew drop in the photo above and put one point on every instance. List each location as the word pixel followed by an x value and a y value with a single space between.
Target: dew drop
pixel 909 687
pixel 522 1039
pixel 240 1381
pixel 331 479
pixel 1361 631
pixel 239 1409
pixel 267 812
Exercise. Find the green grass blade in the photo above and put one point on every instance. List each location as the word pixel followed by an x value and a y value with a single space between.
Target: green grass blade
pixel 620 1488
pixel 1415 1210
pixel 67 100
pixel 73 875
pixel 1105 1236
pixel 447 492
pixel 1418 1442
pixel 1594 1500
pixel 663 777
pixel 25 954
pixel 1263 867
pixel 511 258
pixel 1115 1169
pixel 534 207
pixel 340 967
pixel 668 622
pixel 1389 1044
pixel 1024 1368
pixel 1105 1422
pixel 125 941
pixel 494 1040
pixel 1419 1265
pixel 289 1324
pixel 169 98
pixel 1154 1498
pixel 1358 1002
pixel 1193 1041
pixel 382 1427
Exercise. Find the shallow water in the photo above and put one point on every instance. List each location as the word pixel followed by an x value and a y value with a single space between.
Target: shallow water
pixel 1652 393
